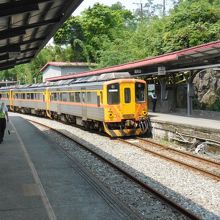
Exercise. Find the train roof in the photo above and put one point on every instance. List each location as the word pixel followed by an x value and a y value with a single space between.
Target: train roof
pixel 83 80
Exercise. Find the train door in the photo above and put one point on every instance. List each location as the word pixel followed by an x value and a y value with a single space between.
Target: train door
pixel 11 100
pixel 83 102
pixel 127 99
pixel 47 101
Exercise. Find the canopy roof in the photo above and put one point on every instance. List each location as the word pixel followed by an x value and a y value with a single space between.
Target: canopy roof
pixel 27 25
pixel 198 57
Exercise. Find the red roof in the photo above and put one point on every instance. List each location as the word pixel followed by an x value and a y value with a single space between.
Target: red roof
pixel 211 49
pixel 66 64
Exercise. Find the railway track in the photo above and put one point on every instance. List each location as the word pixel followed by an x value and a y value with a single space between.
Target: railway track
pixel 202 165
pixel 188 214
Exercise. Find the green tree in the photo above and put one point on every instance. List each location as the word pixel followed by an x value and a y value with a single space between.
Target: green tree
pixel 89 32
pixel 192 23
pixel 71 33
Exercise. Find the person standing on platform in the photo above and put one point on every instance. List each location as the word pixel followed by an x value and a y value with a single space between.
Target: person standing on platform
pixel 154 100
pixel 3 114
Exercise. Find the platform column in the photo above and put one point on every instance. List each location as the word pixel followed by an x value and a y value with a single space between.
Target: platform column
pixel 162 89
pixel 163 95
pixel 189 95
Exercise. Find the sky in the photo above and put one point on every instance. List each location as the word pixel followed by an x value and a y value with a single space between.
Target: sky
pixel 87 3
pixel 129 4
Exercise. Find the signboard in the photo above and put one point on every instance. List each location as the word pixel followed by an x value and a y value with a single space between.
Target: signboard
pixel 161 70
pixel 137 71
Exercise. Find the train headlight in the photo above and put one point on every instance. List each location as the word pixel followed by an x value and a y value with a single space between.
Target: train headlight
pixel 110 114
pixel 144 113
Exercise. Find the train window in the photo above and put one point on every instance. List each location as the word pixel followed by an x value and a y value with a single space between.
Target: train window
pixel 83 97
pixel 98 100
pixel 41 97
pixel 89 97
pixel 127 95
pixel 92 97
pixel 140 92
pixel 32 95
pixel 64 96
pixel 77 96
pixel 113 94
pixel 72 97
pixel 54 96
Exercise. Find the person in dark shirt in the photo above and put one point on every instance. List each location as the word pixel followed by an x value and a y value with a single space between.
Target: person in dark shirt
pixel 154 100
pixel 3 115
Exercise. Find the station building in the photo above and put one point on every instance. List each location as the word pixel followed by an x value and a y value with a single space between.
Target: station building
pixel 57 69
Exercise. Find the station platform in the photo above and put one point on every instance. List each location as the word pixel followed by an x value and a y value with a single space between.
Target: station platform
pixel 170 125
pixel 38 181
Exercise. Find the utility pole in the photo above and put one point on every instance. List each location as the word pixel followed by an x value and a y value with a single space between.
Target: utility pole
pixel 141 9
pixel 164 7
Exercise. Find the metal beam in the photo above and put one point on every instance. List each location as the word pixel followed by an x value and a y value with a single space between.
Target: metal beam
pixel 7 64
pixel 17 10
pixel 31 41
pixel 23 62
pixel 18 7
pixel 7 67
pixel 25 58
pixel 11 32
pixel 16 47
pixel 10 48
pixel 29 49
pixel 4 57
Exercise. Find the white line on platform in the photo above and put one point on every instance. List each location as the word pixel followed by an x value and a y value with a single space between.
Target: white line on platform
pixel 43 194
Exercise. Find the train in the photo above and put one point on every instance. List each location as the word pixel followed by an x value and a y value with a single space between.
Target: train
pixel 116 106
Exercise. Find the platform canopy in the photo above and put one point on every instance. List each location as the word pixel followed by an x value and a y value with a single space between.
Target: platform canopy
pixel 27 25
pixel 195 58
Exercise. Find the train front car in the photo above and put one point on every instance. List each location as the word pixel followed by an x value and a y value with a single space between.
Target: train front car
pixel 125 107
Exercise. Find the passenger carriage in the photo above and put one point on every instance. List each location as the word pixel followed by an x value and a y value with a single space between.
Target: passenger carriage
pixel 116 106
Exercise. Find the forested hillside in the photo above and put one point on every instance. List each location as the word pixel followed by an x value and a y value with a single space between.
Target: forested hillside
pixel 114 35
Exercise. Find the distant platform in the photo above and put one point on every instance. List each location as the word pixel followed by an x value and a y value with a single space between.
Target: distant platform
pixel 170 125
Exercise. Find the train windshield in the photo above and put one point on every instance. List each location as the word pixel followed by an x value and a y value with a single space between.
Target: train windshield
pixel 113 94
pixel 140 92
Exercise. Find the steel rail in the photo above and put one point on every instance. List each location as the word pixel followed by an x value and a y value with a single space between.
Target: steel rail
pixel 207 173
pixel 160 196
pixel 212 162
pixel 138 216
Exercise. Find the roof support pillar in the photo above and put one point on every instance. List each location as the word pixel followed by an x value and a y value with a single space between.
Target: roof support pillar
pixel 163 89
pixel 190 94
pixel 164 103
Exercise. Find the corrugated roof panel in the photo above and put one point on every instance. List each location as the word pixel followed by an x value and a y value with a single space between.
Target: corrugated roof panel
pixel 24 21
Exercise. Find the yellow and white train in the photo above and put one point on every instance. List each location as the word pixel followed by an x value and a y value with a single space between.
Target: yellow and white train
pixel 116 106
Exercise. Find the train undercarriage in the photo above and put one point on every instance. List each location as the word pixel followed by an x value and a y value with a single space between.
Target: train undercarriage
pixel 126 127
